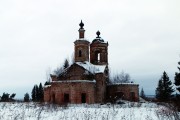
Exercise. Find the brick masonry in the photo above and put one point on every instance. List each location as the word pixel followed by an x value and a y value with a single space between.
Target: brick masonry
pixel 123 91
pixel 78 85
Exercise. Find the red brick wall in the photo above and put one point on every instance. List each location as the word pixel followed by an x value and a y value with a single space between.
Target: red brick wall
pixel 82 45
pixel 74 90
pixel 126 89
pixel 75 72
pixel 100 88
pixel 101 48
pixel 47 91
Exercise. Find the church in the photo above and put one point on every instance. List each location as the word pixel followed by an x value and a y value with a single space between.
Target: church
pixel 87 79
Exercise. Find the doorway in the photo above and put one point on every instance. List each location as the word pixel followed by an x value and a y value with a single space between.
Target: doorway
pixel 66 98
pixel 132 96
pixel 83 97
pixel 53 98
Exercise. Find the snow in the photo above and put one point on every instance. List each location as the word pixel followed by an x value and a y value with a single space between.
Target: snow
pixel 89 67
pixel 92 68
pixel 46 86
pixel 64 81
pixel 83 39
pixel 100 40
pixel 127 111
pixel 123 84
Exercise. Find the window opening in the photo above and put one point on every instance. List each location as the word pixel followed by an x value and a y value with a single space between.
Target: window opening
pixel 80 53
pixel 98 57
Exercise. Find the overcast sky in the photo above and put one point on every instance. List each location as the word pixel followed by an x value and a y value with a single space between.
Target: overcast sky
pixel 37 35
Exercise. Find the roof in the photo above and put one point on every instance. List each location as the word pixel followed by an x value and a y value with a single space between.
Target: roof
pixel 92 68
pixel 74 81
pixel 89 67
pixel 113 84
pixel 99 40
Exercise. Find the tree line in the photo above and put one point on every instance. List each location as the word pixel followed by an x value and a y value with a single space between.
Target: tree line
pixel 6 97
pixel 37 93
pixel 165 89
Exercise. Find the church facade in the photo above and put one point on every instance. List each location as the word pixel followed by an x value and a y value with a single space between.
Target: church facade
pixel 87 79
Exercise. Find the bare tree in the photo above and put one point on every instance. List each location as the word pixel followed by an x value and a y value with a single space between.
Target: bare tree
pixel 121 78
pixel 48 72
pixel 72 60
pixel 61 68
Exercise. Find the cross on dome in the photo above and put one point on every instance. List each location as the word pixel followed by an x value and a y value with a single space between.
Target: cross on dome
pixel 98 34
pixel 81 25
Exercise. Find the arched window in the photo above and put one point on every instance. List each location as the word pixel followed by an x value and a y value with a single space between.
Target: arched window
pixel 80 53
pixel 98 57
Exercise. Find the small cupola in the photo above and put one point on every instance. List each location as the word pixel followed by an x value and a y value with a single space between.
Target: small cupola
pixel 98 38
pixel 98 34
pixel 81 30
pixel 81 46
pixel 99 51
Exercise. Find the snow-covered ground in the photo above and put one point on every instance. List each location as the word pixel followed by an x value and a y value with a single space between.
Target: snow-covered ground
pixel 127 111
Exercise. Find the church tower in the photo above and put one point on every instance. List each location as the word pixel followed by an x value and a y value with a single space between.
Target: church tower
pixel 81 46
pixel 99 51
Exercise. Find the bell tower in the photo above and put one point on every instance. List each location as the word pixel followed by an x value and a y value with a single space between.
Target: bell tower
pixel 81 46
pixel 99 51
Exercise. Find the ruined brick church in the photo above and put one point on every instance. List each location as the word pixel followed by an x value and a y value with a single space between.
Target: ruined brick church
pixel 87 79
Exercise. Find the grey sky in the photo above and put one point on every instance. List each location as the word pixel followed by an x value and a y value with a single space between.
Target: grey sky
pixel 143 36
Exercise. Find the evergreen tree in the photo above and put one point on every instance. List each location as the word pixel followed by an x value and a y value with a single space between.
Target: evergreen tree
pixel 164 90
pixel 66 64
pixel 12 96
pixel 177 79
pixel 33 94
pixel 159 90
pixel 36 93
pixel 142 94
pixel 177 84
pixel 26 97
pixel 47 83
pixel 40 93
pixel 5 97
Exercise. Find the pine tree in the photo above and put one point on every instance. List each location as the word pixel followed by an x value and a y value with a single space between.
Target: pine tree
pixel 36 93
pixel 142 94
pixel 12 96
pixel 5 97
pixel 177 79
pixel 33 94
pixel 26 97
pixel 47 83
pixel 164 90
pixel 40 93
pixel 159 90
pixel 177 84
pixel 66 63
